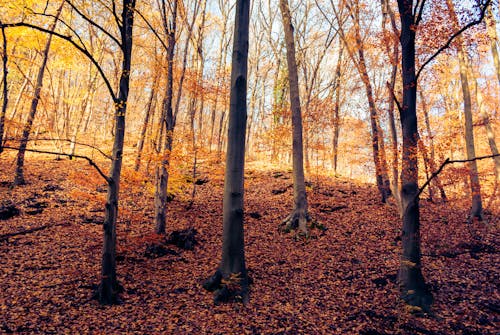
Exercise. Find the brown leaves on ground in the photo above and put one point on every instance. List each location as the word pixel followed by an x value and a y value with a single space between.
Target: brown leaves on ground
pixel 341 280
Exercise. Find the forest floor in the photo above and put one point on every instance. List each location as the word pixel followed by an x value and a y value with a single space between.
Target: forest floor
pixel 341 280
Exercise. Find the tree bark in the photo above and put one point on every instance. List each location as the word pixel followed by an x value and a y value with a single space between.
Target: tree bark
pixel 145 123
pixel 5 102
pixel 476 201
pixel 108 288
pixel 432 159
pixel 231 280
pixel 162 172
pixel 412 285
pixel 336 109
pixel 492 33
pixel 394 54
pixel 299 216
pixel 19 177
pixel 381 173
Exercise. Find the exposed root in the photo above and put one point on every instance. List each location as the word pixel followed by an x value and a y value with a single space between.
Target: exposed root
pixel 226 289
pixel 418 301
pixel 297 220
pixel 104 297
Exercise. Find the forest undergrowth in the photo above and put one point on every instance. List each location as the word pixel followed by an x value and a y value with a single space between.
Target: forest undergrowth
pixel 341 280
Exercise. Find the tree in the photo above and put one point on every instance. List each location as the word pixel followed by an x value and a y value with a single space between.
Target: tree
pixel 299 216
pixel 357 56
pixel 19 177
pixel 388 13
pixel 412 284
pixel 5 87
pixel 492 33
pixel 476 204
pixel 231 279
pixel 167 121
pixel 413 288
pixel 108 289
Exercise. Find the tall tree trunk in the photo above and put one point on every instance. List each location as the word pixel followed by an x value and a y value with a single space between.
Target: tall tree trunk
pixel 428 171
pixel 19 177
pixel 145 123
pixel 162 172
pixel 492 33
pixel 489 130
pixel 381 174
pixel 108 288
pixel 491 137
pixel 394 53
pixel 299 216
pixel 476 205
pixel 336 109
pixel 432 159
pixel 5 87
pixel 412 285
pixel 85 107
pixel 231 280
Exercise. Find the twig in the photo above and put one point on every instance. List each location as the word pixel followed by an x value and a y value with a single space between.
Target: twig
pixel 91 162
pixel 5 237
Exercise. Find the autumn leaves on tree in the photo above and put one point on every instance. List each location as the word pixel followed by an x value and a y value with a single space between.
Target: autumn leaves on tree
pixel 297 96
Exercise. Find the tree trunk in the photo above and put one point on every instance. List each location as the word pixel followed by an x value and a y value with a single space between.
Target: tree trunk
pixel 85 106
pixel 108 288
pixel 19 177
pixel 231 280
pixel 299 216
pixel 145 123
pixel 432 159
pixel 387 11
pixel 411 281
pixel 477 205
pixel 428 170
pixel 492 33
pixel 5 88
pixel 162 172
pixel 336 109
pixel 381 175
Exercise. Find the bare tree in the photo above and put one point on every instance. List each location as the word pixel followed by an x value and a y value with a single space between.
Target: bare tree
pixel 5 87
pixel 476 201
pixel 231 279
pixel 19 177
pixel 412 284
pixel 299 216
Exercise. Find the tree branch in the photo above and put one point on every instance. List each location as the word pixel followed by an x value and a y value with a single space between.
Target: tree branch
pixel 63 140
pixel 400 108
pixel 95 24
pixel 91 162
pixel 446 162
pixel 5 237
pixel 80 48
pixel 455 35
pixel 152 29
